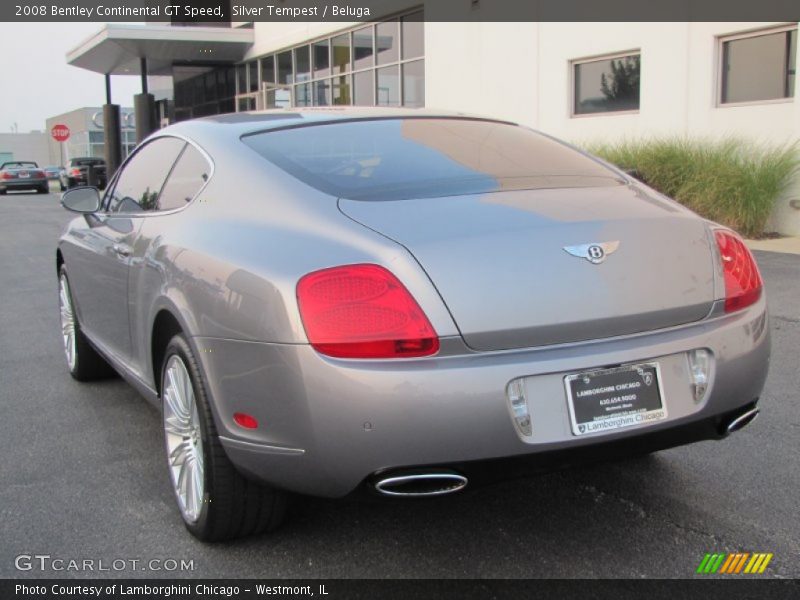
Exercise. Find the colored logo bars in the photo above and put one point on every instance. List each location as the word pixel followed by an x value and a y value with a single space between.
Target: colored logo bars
pixel 734 563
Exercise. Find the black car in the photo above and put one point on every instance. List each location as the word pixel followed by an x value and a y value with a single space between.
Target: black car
pixel 23 175
pixel 76 172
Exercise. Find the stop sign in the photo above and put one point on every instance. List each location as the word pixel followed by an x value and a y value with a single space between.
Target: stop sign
pixel 60 133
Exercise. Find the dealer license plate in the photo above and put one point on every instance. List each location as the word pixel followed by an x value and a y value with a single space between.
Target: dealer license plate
pixel 604 400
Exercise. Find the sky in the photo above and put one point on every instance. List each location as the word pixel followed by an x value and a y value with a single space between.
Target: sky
pixel 37 82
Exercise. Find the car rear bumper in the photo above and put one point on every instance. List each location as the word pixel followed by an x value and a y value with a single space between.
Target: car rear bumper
pixel 326 425
pixel 22 184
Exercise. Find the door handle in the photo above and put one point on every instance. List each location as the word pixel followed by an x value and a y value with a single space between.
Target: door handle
pixel 122 249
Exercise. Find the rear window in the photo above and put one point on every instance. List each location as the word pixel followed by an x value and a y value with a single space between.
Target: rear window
pixel 394 159
pixel 85 162
pixel 19 165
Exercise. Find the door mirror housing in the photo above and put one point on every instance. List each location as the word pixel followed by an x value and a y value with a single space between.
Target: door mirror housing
pixel 81 200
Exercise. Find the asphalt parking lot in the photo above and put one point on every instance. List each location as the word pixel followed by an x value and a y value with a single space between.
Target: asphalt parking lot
pixel 82 474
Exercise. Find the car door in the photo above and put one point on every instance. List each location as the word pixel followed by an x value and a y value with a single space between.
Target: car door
pixel 100 277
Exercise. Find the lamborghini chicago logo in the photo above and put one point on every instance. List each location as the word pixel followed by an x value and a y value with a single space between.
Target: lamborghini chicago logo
pixel 734 563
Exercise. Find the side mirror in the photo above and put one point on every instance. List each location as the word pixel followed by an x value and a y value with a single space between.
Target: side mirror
pixel 81 200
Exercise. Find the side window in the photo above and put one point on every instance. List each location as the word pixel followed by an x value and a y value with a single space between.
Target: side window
pixel 190 173
pixel 140 182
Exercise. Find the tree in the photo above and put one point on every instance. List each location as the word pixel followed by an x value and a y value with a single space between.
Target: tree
pixel 622 86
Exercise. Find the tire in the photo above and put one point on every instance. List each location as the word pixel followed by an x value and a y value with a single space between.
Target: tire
pixel 3 192
pixel 45 189
pixel 226 505
pixel 83 361
pixel 62 187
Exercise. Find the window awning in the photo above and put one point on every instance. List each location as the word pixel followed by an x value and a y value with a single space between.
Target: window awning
pixel 117 49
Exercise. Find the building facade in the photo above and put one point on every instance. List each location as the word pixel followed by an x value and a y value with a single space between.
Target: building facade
pixel 583 82
pixel 25 146
pixel 87 137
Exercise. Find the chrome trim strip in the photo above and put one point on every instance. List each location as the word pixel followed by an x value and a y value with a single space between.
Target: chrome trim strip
pixel 260 448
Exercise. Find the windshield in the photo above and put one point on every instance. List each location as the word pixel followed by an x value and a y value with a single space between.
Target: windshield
pixel 393 159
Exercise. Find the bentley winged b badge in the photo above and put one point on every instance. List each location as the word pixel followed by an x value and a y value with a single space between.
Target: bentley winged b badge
pixel 594 253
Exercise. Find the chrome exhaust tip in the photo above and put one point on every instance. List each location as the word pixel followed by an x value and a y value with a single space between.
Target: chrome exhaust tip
pixel 742 420
pixel 421 485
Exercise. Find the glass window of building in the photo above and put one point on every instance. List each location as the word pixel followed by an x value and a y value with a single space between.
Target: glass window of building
pixel 414 83
pixel 759 67
pixel 340 88
pixel 371 64
pixel 210 91
pixel 268 69
pixel 362 48
pixel 606 85
pixel 285 74
pixel 387 42
pixel 322 92
pixel 388 86
pixel 302 63
pixel 364 88
pixel 413 36
pixel 241 79
pixel 322 59
pixel 201 91
pixel 340 46
pixel 252 74
pixel 302 95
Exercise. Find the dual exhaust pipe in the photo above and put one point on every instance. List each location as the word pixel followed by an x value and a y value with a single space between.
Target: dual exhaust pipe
pixel 440 483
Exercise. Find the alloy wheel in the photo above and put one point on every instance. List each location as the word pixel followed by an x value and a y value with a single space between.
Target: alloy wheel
pixel 67 321
pixel 183 439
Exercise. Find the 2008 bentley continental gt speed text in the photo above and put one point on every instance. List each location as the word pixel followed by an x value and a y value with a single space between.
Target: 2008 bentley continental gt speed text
pixel 403 302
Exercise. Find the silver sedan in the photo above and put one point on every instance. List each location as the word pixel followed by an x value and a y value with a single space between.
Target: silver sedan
pixel 400 303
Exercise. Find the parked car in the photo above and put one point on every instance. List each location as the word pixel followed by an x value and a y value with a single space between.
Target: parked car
pixel 400 302
pixel 53 173
pixel 22 175
pixel 76 172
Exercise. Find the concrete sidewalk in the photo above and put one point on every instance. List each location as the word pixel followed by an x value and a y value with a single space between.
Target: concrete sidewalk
pixel 788 245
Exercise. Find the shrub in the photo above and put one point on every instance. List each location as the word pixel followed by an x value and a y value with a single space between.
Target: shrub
pixel 732 181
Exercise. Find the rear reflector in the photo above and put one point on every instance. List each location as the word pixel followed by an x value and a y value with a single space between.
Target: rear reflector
pixel 363 311
pixel 743 283
pixel 245 420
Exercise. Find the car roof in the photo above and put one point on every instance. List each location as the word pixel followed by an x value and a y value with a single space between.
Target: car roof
pixel 243 123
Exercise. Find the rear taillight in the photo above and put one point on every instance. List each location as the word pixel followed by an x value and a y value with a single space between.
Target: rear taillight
pixel 7 175
pixel 363 311
pixel 75 172
pixel 743 283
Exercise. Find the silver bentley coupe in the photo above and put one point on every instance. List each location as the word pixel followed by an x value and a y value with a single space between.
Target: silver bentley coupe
pixel 400 303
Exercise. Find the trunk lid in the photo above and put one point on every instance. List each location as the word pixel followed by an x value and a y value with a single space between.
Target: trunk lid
pixel 499 263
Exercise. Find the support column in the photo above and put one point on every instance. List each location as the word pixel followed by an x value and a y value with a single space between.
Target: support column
pixel 144 106
pixel 113 133
pixel 113 141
